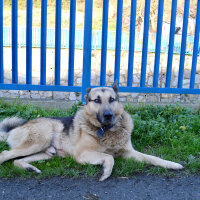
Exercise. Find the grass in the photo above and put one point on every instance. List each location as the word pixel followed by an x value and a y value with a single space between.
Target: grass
pixel 170 132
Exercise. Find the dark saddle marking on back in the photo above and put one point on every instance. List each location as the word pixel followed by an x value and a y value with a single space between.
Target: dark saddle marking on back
pixel 66 121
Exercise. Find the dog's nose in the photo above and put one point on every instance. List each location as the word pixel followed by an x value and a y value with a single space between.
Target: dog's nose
pixel 108 115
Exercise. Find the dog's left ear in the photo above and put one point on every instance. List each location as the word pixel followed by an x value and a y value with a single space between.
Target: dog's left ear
pixel 86 96
pixel 115 86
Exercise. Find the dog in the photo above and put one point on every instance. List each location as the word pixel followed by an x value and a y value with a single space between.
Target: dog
pixel 95 135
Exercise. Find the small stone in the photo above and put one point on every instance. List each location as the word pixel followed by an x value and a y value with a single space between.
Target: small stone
pixel 134 95
pixel 123 94
pixel 141 99
pixel 58 95
pixel 35 96
pixel 1 94
pixel 46 94
pixel 14 92
pixel 152 99
pixel 72 96
pixel 130 99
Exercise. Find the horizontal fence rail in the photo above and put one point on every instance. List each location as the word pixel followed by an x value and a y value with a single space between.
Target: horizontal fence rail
pixel 96 40
pixel 104 40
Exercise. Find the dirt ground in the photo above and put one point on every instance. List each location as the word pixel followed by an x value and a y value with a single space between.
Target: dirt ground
pixel 143 187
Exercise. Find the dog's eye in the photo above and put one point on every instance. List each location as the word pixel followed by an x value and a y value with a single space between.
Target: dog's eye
pixel 111 100
pixel 97 100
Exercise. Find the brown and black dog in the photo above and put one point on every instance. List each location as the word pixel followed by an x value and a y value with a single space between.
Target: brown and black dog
pixel 96 134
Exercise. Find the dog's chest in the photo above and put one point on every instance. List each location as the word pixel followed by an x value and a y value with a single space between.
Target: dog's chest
pixel 115 140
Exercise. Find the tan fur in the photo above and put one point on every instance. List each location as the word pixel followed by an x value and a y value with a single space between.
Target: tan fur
pixel 41 138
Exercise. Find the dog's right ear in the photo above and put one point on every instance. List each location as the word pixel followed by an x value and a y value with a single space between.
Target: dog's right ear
pixel 87 95
pixel 115 86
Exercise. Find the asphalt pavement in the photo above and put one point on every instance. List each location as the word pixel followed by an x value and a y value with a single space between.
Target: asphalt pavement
pixel 145 187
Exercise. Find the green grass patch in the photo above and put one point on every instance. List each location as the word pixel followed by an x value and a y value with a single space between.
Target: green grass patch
pixel 170 132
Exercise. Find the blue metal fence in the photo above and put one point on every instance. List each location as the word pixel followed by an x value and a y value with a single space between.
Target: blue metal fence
pixel 100 40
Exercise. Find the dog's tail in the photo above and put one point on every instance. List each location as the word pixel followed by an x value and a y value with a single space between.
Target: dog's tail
pixel 8 124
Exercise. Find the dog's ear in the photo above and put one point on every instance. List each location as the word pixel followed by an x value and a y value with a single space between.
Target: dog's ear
pixel 88 90
pixel 87 95
pixel 115 86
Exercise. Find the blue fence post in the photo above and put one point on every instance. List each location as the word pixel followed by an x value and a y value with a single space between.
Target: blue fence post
pixel 196 47
pixel 118 39
pixel 87 47
pixel 57 42
pixel 71 42
pixel 14 42
pixel 43 39
pixel 145 43
pixel 104 42
pixel 171 44
pixel 158 43
pixel 183 43
pixel 29 42
pixel 131 43
pixel 1 42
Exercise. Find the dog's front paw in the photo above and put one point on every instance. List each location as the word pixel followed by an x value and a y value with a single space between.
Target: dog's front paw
pixel 102 175
pixel 107 168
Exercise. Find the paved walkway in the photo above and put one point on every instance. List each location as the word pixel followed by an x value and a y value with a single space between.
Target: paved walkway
pixel 140 187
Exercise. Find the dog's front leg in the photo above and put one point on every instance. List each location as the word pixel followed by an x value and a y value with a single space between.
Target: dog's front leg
pixel 130 152
pixel 97 158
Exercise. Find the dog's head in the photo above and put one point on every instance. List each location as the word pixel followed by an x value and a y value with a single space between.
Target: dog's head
pixel 102 105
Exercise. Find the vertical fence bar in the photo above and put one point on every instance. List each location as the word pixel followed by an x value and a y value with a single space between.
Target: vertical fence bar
pixel 43 40
pixel 104 42
pixel 1 42
pixel 145 43
pixel 118 39
pixel 87 47
pixel 71 42
pixel 195 46
pixel 171 44
pixel 183 43
pixel 14 42
pixel 158 43
pixel 58 41
pixel 131 43
pixel 29 42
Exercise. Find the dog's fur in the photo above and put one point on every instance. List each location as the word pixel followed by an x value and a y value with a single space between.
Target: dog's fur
pixel 42 138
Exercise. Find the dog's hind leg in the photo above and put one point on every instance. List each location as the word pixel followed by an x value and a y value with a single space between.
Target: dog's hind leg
pixel 21 151
pixel 141 157
pixel 97 158
pixel 24 162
